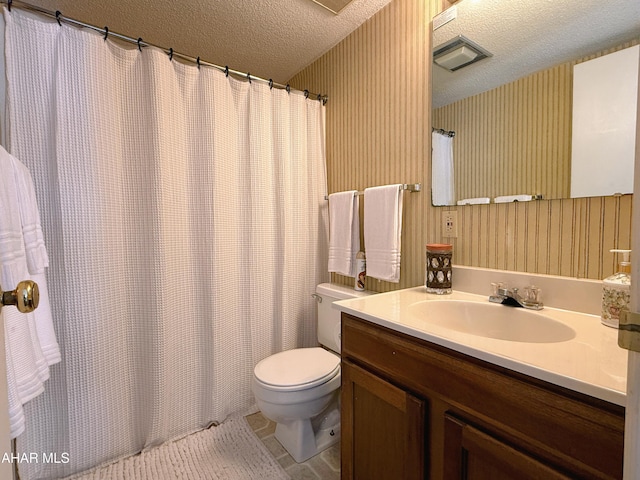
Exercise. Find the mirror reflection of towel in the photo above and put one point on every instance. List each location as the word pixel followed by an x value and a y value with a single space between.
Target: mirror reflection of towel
pixel 474 201
pixel 513 198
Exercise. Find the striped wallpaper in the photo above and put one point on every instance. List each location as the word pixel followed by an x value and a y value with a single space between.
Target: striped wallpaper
pixel 378 132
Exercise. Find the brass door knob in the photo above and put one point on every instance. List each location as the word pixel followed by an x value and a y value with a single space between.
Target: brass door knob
pixel 25 297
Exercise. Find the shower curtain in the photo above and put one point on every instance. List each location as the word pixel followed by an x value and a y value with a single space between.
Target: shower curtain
pixel 185 219
pixel 442 170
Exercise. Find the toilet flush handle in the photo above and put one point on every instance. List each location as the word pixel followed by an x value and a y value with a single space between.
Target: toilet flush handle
pixel 317 297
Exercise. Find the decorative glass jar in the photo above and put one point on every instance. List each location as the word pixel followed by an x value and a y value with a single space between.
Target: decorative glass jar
pixel 438 271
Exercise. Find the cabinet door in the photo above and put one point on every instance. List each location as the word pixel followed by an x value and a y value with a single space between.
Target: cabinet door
pixel 383 428
pixel 471 454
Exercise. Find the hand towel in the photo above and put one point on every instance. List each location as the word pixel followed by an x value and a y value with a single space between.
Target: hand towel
pixel 474 201
pixel 383 231
pixel 44 322
pixel 27 368
pixel 12 255
pixel 16 411
pixel 513 198
pixel 37 258
pixel 344 232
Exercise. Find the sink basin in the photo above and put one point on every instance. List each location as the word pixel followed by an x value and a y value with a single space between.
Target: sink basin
pixel 492 321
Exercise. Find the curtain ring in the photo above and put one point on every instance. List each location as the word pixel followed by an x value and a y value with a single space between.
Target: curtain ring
pixel 198 62
pixel 106 32
pixel 249 78
pixel 9 4
pixel 271 84
pixel 288 88
pixel 139 43
pixel 58 17
pixel 306 94
pixel 170 53
pixel 319 97
pixel 226 71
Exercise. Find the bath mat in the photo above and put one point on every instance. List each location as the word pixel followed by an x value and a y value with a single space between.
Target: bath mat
pixel 230 451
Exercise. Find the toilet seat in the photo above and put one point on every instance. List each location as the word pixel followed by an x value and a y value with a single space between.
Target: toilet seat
pixel 297 369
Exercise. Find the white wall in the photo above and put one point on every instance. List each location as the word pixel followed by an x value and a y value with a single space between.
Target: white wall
pixel 605 91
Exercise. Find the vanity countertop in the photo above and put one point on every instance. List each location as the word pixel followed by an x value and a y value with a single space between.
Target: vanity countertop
pixel 591 362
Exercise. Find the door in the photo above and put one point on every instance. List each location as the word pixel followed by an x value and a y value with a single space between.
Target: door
pixel 471 454
pixel 383 428
pixel 6 467
pixel 632 421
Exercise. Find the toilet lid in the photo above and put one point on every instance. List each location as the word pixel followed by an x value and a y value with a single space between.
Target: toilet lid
pixel 302 367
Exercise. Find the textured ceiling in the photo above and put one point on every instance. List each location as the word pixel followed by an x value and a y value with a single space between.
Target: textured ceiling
pixel 267 38
pixel 527 36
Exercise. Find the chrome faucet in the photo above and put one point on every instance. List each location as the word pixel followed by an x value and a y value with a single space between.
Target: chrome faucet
pixel 505 296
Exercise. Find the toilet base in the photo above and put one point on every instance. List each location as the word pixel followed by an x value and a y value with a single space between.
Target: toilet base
pixel 300 440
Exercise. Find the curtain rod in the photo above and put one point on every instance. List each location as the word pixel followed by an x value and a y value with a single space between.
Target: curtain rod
pixel 449 133
pixel 169 51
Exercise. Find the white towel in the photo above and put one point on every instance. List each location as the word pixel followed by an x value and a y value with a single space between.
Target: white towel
pixel 12 255
pixel 27 367
pixel 37 259
pixel 383 231
pixel 513 198
pixel 474 201
pixel 344 232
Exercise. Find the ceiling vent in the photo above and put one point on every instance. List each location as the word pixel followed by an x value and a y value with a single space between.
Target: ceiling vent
pixel 333 5
pixel 457 53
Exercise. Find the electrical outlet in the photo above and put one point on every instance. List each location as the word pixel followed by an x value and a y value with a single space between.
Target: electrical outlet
pixel 450 224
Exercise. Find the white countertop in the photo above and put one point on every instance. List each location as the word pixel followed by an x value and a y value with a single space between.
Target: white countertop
pixel 591 362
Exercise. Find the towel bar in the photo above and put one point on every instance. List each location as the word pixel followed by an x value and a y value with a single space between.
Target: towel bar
pixel 25 297
pixel 410 187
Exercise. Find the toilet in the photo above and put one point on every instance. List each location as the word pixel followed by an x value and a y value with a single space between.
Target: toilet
pixel 299 389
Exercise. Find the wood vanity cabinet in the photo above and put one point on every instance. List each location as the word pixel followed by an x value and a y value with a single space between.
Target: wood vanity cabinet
pixel 413 410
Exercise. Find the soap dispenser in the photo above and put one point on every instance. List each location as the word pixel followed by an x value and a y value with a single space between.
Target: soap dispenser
pixel 616 291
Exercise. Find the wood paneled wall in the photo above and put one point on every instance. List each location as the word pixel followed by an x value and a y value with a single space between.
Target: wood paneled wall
pixel 379 132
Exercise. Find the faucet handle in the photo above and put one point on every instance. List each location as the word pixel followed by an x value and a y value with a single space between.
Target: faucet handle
pixel 532 293
pixel 532 296
pixel 497 288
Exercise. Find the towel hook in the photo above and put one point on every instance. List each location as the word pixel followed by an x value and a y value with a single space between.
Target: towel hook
pixel 25 297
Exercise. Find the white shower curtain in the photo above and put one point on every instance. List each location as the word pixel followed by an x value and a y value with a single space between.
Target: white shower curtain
pixel 185 219
pixel 442 171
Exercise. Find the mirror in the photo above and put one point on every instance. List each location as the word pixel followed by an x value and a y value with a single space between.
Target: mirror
pixel 512 111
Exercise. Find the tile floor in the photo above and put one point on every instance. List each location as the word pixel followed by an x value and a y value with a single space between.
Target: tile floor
pixel 324 466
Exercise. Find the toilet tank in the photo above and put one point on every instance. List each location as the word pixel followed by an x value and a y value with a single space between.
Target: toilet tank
pixel 328 316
